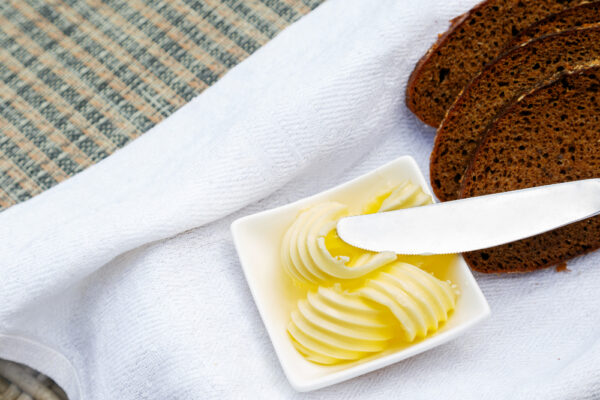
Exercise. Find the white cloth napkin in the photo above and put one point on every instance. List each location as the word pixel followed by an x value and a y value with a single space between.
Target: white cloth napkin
pixel 123 283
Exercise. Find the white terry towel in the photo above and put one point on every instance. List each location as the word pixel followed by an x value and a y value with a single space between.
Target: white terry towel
pixel 123 283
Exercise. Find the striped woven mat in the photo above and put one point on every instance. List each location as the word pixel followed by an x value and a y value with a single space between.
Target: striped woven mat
pixel 81 78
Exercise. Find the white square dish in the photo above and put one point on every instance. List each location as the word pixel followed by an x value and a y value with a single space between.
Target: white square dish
pixel 257 239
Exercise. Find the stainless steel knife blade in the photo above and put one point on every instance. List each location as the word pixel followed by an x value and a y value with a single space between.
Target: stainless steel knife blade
pixel 474 223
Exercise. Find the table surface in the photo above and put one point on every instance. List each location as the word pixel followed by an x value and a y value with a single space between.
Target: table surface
pixel 81 78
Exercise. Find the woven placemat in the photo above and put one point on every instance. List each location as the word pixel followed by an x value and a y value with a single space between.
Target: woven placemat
pixel 18 382
pixel 81 78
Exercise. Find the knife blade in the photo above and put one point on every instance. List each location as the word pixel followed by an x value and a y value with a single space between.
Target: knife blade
pixel 474 223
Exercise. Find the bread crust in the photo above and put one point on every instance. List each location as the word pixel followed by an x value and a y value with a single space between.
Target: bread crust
pixel 481 10
pixel 508 108
pixel 442 186
pixel 579 17
pixel 530 242
pixel 419 67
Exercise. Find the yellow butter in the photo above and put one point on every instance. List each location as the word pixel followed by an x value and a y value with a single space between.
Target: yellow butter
pixel 332 325
pixel 306 257
pixel 359 301
pixel 312 252
pixel 418 300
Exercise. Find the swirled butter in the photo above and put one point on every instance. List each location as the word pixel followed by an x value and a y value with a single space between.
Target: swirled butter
pixel 331 326
pixel 305 255
pixel 359 302
pixel 418 300
pixel 312 253
pixel 401 301
pixel 405 195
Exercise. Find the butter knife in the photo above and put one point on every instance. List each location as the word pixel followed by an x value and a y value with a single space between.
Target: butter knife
pixel 474 223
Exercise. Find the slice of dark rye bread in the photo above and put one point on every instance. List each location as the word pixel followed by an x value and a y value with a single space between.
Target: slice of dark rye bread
pixel 473 39
pixel 551 135
pixel 514 73
pixel 582 16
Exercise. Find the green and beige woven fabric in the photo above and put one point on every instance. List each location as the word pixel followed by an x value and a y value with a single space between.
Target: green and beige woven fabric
pixel 81 78
pixel 18 382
